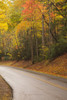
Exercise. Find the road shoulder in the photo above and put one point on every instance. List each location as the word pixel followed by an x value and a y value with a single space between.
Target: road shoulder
pixel 5 90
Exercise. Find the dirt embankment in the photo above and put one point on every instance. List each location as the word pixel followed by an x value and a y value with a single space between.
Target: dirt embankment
pixel 56 67
pixel 5 90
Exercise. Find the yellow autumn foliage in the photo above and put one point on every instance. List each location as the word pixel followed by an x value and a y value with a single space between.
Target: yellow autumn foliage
pixel 59 17
pixel 3 26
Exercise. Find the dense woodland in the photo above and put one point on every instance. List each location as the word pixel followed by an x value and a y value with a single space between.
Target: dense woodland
pixel 32 29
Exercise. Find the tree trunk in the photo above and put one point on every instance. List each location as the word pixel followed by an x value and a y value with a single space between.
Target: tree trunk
pixel 31 42
pixel 43 30
pixel 37 47
pixel 50 37
pixel 43 36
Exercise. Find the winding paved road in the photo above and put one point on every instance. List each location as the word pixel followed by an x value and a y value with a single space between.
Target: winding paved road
pixel 31 86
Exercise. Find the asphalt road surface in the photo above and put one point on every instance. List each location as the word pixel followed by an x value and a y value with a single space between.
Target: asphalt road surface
pixel 32 86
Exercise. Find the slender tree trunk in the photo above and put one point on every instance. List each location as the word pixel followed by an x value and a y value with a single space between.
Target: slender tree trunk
pixel 43 46
pixel 50 37
pixel 31 42
pixel 37 47
pixel 65 22
pixel 42 30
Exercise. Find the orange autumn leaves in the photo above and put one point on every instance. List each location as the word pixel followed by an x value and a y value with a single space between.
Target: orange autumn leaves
pixel 32 11
pixel 31 8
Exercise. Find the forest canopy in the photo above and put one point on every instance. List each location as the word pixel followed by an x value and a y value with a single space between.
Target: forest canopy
pixel 33 29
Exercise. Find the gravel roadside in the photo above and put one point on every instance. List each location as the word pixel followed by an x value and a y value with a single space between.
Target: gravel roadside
pixel 5 90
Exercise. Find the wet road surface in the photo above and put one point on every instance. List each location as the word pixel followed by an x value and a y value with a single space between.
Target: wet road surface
pixel 31 86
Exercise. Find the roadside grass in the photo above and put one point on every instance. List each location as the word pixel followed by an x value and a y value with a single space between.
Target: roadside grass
pixel 57 67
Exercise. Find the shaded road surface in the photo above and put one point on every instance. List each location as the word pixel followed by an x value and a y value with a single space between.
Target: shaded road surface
pixel 31 86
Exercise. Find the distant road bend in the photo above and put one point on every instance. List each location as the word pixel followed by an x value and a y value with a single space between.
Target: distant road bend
pixel 31 86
